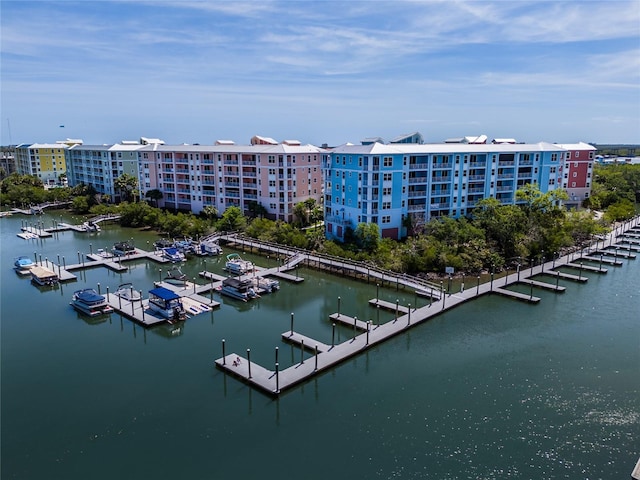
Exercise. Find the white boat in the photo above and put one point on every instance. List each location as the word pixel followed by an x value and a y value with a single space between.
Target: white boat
pixel 240 289
pixel 27 235
pixel 24 264
pixel 209 248
pixel 43 276
pixel 166 303
pixel 89 302
pixel 266 285
pixel 173 254
pixel 237 266
pixel 127 292
pixel 90 227
pixel 176 276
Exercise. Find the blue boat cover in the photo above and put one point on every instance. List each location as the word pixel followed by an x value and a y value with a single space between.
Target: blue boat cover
pixel 171 250
pixel 89 295
pixel 164 293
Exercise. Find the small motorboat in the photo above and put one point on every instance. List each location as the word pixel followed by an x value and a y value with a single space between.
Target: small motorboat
pixel 123 248
pixel 240 289
pixel 43 276
pixel 127 292
pixel 166 303
pixel 176 276
pixel 24 264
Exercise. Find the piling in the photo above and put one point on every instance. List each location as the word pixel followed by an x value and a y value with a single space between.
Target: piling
pixel 316 367
pixel 224 357
pixel 333 335
pixel 249 361
pixel 291 324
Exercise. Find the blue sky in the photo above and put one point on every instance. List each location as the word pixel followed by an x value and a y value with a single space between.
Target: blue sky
pixel 320 72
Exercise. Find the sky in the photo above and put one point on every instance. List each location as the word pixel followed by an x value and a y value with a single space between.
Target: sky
pixel 319 72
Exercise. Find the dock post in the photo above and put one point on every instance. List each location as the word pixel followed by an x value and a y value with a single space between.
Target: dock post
pixel 119 302
pixel 99 288
pixel 249 361
pixel 580 275
pixel 377 292
pixel 478 286
pixel 83 257
pixel 107 293
pixel 224 357
pixel 542 264
pixel 492 272
pixel 377 314
pixel 409 319
pixel 143 319
pixel 430 297
pixel 397 283
pixel 506 277
pixel 557 280
pixel 276 354
pixel 58 263
pixel 91 248
pixel 600 262
pixel 333 335
pixel 277 379
pixel 444 301
pixel 35 257
pixel 316 367
pixel 339 307
pixel 355 321
pixel 368 328
pixel 194 285
pixel 301 351
pixel 64 264
pixel 40 259
pixel 132 308
pixel 159 274
pixel 291 334
pixel 78 256
pixel 396 319
pixel 531 294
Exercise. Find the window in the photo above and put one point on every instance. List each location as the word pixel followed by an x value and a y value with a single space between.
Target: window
pixel 573 184
pixel 575 174
pixel 568 155
pixel 386 177
pixel 386 191
pixel 386 205
pixel 387 161
pixel 386 219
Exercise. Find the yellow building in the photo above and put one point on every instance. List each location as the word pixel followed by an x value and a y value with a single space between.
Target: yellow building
pixel 44 160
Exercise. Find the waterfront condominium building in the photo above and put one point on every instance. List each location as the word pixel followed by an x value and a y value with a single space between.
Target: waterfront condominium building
pixel 275 176
pixel 402 186
pixel 100 165
pixel 577 172
pixel 44 160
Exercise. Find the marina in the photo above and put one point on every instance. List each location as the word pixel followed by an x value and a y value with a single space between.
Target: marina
pixel 278 380
pixel 471 379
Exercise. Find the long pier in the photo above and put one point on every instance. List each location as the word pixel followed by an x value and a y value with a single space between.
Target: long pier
pixel 366 335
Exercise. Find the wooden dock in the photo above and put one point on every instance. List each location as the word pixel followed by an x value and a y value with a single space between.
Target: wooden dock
pixel 543 285
pixel 517 295
pixel 604 261
pixel 348 321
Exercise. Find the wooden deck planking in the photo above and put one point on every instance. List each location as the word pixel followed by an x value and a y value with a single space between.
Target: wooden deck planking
pixel 517 295
pixel 567 276
pixel 348 321
pixel 309 343
pixel 586 268
pixel 604 261
pixel 390 306
pixel 543 285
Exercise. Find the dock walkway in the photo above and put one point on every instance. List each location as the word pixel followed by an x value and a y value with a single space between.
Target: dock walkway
pixel 325 357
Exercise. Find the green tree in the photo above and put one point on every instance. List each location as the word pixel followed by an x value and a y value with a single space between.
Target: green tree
pixel 367 236
pixel 154 195
pixel 126 184
pixel 232 219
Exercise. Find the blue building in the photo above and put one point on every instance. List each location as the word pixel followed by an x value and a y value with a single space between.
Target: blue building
pixel 398 185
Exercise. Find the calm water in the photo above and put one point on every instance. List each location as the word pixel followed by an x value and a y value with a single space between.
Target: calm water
pixel 493 389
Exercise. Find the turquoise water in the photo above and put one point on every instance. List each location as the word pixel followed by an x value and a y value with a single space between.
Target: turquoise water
pixel 492 389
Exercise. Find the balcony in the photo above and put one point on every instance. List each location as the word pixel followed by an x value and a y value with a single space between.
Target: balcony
pixel 417 193
pixel 442 165
pixel 441 179
pixel 418 179
pixel 418 166
pixel 478 165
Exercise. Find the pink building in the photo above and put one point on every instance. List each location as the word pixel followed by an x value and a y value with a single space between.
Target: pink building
pixel 192 177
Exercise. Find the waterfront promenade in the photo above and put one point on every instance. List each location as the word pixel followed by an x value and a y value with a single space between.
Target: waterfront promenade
pixel 366 334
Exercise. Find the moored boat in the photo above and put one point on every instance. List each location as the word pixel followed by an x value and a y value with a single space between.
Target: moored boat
pixel 127 292
pixel 166 303
pixel 43 276
pixel 24 264
pixel 89 302
pixel 123 248
pixel 176 276
pixel 240 289
pixel 173 254
pixel 237 266
pixel 209 248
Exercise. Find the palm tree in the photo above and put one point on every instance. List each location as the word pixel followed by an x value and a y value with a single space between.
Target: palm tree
pixel 126 184
pixel 154 195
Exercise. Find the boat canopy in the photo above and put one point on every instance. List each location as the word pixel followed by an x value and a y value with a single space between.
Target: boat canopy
pixel 89 296
pixel 164 293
